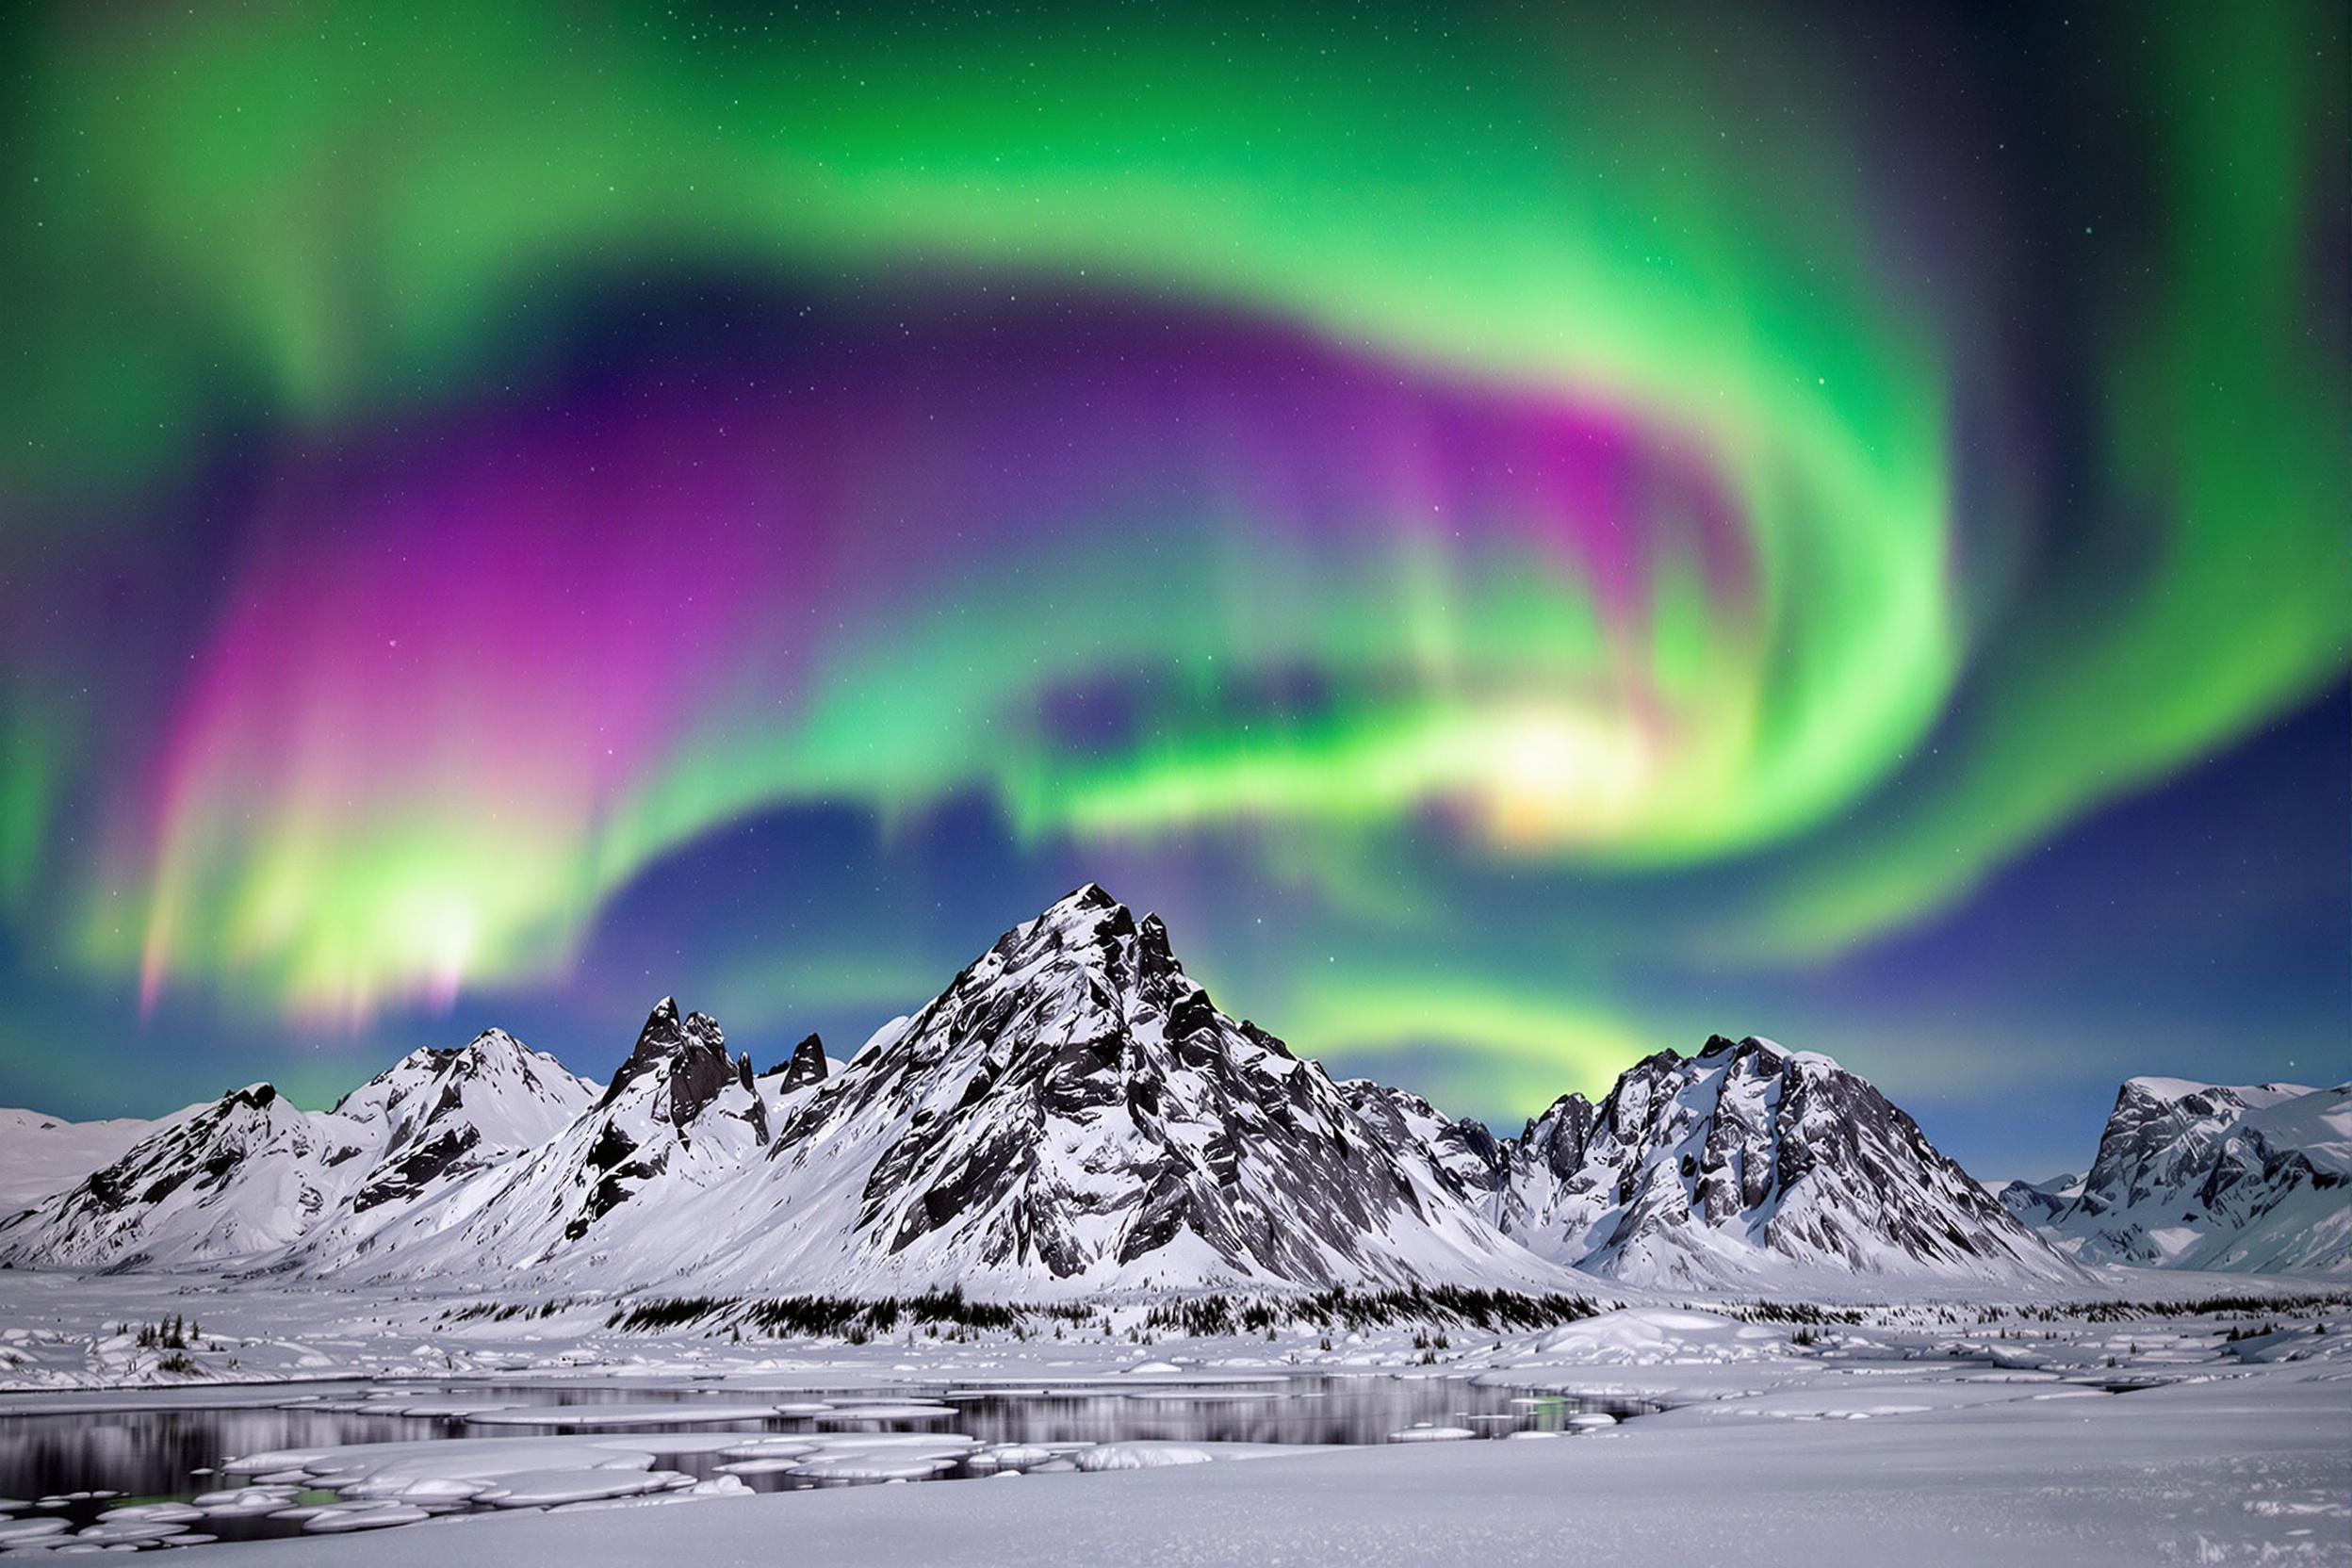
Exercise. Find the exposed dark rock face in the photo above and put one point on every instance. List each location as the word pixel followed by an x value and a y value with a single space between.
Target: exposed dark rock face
pixel 690 1057
pixel 697 1075
pixel 690 1051
pixel 616 1168
pixel 807 1066
pixel 416 1167
pixel 1558 1137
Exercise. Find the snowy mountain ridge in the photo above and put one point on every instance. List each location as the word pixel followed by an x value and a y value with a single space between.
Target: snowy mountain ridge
pixel 680 1115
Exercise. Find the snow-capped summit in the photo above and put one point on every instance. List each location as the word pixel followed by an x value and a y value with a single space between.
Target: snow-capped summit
pixel 1074 1110
pixel 2219 1176
pixel 1752 1162
pixel 444 1113
pixel 442 1116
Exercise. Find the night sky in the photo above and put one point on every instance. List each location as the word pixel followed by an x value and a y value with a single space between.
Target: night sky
pixel 1530 536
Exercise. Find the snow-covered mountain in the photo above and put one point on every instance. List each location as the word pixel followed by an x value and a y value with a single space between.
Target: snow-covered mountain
pixel 1074 1112
pixel 2212 1176
pixel 1750 1164
pixel 243 1178
pixel 679 1116
pixel 438 1120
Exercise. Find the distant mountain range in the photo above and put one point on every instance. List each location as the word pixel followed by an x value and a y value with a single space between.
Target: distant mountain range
pixel 1074 1114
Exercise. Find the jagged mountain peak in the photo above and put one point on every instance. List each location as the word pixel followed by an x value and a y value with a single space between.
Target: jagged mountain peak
pixel 1089 927
pixel 1077 905
pixel 1083 973
pixel 665 1040
pixel 683 1065
pixel 807 1065
pixel 1074 1106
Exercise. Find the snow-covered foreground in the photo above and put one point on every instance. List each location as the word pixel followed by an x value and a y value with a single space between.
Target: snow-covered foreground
pixel 1925 1434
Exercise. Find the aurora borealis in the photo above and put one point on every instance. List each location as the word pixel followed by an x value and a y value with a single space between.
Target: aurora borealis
pixel 1529 538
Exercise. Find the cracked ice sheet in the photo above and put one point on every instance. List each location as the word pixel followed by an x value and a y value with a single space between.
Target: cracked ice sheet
pixel 2246 1470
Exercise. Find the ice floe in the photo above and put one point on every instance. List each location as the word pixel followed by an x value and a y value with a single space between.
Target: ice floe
pixel 684 1413
pixel 337 1519
pixel 545 1488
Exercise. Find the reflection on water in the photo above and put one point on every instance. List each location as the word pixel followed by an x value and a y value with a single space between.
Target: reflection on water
pixel 173 1453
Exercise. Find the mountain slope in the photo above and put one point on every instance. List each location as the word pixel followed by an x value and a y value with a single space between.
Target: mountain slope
pixel 44 1154
pixel 2217 1176
pixel 1457 1157
pixel 1750 1164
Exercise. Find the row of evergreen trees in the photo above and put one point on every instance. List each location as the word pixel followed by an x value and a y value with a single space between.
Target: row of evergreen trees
pixel 173 1333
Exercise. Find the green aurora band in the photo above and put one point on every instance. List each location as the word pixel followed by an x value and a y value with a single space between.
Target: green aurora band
pixel 321 222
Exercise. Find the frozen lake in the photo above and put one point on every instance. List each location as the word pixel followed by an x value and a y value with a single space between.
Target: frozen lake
pixel 200 1456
